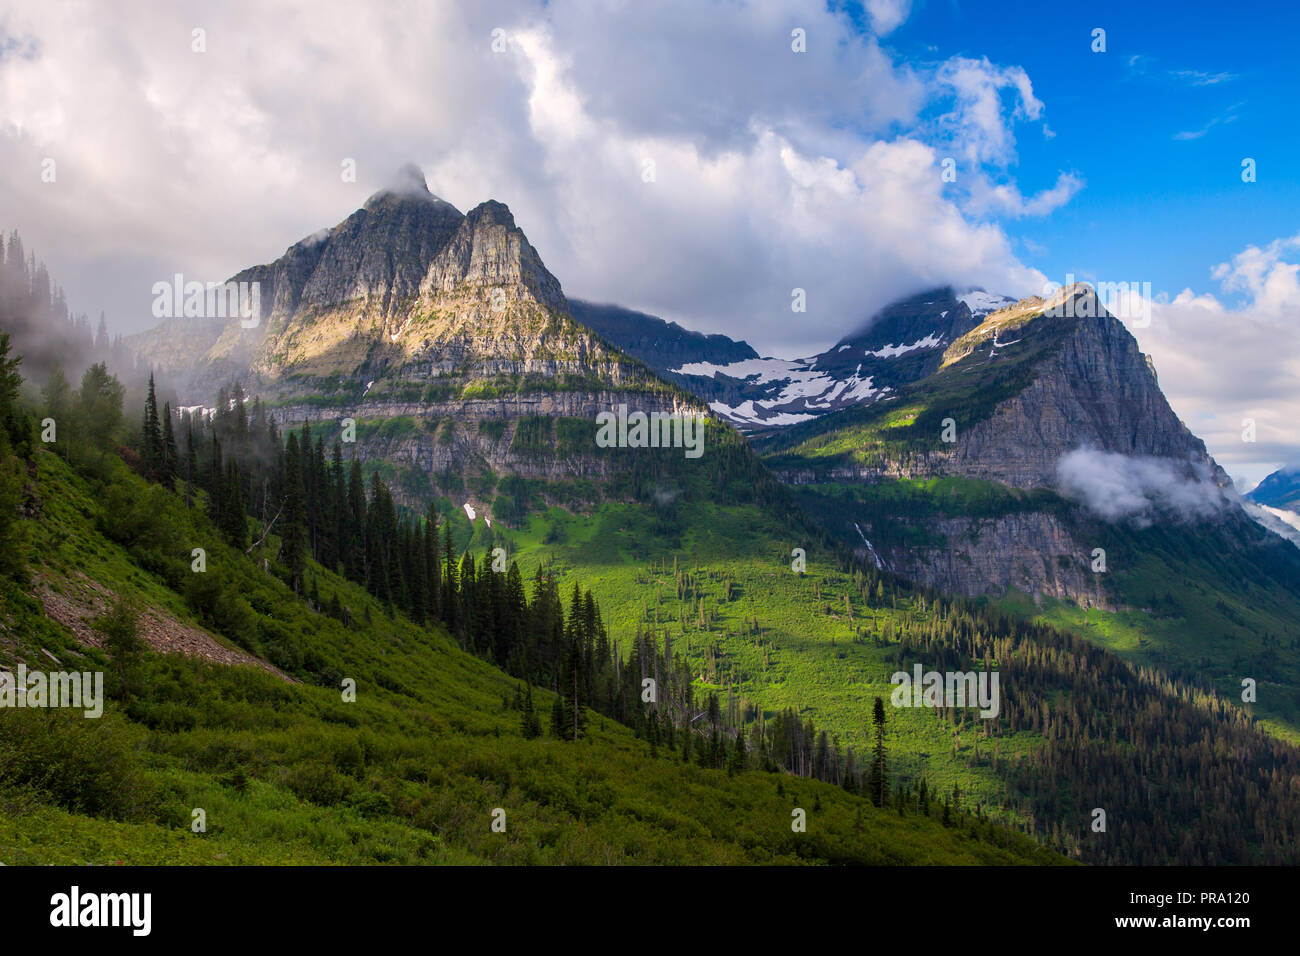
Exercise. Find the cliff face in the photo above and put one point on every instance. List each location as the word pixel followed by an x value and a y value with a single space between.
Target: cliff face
pixel 1098 390
pixel 1028 385
pixel 410 310
pixel 1034 552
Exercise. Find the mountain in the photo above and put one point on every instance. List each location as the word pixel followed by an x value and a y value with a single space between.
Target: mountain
pixel 446 329
pixel 661 345
pixel 900 344
pixel 1041 402
pixel 487 414
pixel 1279 490
pixel 1041 459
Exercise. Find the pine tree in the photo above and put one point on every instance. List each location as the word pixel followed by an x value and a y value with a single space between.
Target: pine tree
pixel 293 529
pixel 151 445
pixel 432 569
pixel 557 719
pixel 234 522
pixel 574 703
pixel 532 724
pixel 738 757
pixel 878 781
pixel 354 556
pixel 168 466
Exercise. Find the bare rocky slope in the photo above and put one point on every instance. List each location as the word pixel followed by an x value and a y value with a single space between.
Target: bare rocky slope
pixel 1018 393
pixel 439 333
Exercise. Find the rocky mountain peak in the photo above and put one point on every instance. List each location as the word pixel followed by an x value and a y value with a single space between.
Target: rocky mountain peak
pixel 407 183
pixel 492 213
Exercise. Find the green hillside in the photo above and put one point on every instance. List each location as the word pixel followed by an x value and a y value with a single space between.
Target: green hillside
pixel 286 771
pixel 694 559
pixel 825 643
pixel 1208 604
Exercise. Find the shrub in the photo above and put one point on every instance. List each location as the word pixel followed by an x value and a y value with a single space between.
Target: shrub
pixel 89 766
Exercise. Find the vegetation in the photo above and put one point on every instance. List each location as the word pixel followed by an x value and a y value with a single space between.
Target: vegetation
pixel 285 766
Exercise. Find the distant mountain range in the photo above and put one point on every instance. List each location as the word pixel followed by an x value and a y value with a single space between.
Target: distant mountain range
pixel 1279 490
pixel 410 313
pixel 899 344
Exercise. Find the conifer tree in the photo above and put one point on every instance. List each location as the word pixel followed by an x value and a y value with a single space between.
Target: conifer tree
pixel 571 682
pixel 293 530
pixel 168 466
pixel 151 445
pixel 531 723
pixel 878 781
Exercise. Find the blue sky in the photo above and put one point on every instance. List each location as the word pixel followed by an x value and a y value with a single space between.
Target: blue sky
pixel 1155 207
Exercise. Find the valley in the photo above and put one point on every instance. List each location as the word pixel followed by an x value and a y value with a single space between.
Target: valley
pixel 923 495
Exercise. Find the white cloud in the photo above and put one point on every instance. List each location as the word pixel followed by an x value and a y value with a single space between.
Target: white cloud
pixel 1130 488
pixel 976 123
pixel 1006 200
pixel 773 169
pixel 887 15
pixel 1221 363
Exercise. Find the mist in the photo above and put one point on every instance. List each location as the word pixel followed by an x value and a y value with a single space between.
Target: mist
pixel 1119 487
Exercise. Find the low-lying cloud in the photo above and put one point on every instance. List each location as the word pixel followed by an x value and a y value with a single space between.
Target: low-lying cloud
pixel 1139 489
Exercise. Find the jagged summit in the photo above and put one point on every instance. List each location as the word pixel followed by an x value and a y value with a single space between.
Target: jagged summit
pixel 410 300
pixel 492 213
pixel 898 344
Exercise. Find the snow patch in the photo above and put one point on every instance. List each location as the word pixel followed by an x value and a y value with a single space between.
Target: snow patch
pixel 981 303
pixel 746 414
pixel 933 340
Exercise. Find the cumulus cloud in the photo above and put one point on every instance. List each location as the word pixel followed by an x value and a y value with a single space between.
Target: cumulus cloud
pixel 1138 489
pixel 771 170
pixel 887 15
pixel 982 92
pixel 1230 365
pixel 1005 199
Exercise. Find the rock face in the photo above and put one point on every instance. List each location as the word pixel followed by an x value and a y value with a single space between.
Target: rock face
pixel 1097 391
pixel 1030 551
pixel 1022 388
pixel 409 309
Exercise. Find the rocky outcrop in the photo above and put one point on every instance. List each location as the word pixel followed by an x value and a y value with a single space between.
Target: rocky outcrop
pixel 409 309
pixel 1034 552
pixel 1098 391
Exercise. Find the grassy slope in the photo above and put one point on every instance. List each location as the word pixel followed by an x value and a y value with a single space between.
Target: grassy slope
pixel 1189 613
pixel 410 772
pixel 804 655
